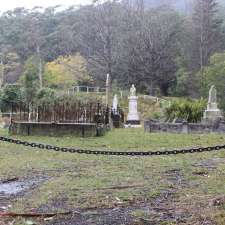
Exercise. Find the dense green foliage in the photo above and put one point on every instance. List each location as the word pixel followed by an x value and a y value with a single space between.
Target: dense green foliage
pixel 188 110
pixel 45 96
pixel 29 80
pixel 214 74
pixel 10 96
pixel 14 96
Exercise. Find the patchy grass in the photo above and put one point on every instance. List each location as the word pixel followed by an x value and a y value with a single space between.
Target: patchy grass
pixel 84 181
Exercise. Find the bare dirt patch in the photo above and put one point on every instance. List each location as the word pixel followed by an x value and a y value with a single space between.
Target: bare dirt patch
pixel 15 187
pixel 162 208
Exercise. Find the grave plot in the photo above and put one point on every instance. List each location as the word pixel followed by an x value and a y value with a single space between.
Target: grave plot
pixel 58 119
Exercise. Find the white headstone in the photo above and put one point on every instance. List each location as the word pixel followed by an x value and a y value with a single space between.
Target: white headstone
pixel 115 104
pixel 212 113
pixel 108 81
pixel 133 118
pixel 212 102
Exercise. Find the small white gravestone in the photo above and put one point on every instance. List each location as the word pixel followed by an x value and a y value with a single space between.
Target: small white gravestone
pixel 212 113
pixel 133 118
pixel 108 89
pixel 115 104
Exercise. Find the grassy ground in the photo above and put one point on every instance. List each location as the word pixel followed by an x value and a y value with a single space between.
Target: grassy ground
pixel 193 184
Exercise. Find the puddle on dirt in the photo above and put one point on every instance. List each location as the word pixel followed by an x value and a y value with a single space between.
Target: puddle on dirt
pixel 13 188
pixel 16 187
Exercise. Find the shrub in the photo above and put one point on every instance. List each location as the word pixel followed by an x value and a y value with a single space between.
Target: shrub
pixel 45 96
pixel 11 96
pixel 189 110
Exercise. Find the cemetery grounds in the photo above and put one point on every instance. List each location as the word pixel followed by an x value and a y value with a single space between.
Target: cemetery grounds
pixel 181 189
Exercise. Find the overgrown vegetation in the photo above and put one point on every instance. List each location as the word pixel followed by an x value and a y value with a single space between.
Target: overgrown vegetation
pixel 213 74
pixel 187 110
pixel 11 95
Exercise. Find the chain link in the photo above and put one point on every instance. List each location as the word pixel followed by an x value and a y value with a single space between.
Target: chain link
pixel 112 153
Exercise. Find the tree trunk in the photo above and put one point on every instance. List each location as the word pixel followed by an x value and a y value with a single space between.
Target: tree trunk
pixel 164 88
pixel 2 72
pixel 39 67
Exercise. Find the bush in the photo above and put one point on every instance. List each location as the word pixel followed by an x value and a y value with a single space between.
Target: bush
pixel 214 74
pixel 45 96
pixel 189 110
pixel 11 96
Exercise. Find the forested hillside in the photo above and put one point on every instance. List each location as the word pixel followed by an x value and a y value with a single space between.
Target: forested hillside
pixel 180 5
pixel 184 6
pixel 159 49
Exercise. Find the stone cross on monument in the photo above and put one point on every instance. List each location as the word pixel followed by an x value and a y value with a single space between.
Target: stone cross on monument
pixel 212 114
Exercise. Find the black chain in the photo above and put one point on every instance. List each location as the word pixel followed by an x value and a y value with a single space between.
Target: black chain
pixel 112 153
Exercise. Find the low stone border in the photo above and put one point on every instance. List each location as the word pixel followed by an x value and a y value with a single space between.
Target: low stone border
pixel 57 129
pixel 185 128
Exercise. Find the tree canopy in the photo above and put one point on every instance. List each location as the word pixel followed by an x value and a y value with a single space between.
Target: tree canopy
pixel 154 46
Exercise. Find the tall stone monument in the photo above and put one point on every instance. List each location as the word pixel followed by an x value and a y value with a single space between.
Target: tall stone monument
pixel 133 118
pixel 108 96
pixel 212 114
pixel 108 90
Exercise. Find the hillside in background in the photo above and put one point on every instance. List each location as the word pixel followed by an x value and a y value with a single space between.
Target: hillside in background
pixel 180 5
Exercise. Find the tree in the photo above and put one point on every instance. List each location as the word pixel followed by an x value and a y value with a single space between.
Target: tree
pixel 182 80
pixel 133 42
pixel 99 38
pixel 151 48
pixel 67 71
pixel 11 96
pixel 30 79
pixel 207 31
pixel 10 68
pixel 214 74
pixel 35 38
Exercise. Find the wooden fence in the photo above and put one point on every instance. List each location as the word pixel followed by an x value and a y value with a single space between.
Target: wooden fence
pixel 62 113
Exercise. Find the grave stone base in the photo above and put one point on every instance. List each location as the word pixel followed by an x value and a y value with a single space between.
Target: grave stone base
pixel 133 124
pixel 212 116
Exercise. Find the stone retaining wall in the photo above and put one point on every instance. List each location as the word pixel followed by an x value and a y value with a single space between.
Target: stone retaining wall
pixel 193 128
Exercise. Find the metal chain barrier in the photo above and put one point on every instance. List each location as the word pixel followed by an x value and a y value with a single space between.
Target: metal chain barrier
pixel 112 153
